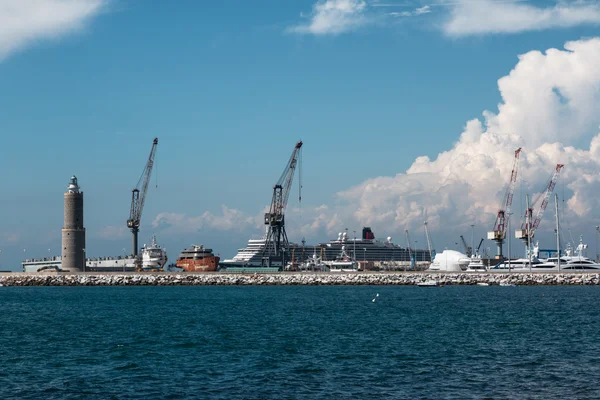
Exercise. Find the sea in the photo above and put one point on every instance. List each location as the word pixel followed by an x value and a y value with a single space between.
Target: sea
pixel 298 342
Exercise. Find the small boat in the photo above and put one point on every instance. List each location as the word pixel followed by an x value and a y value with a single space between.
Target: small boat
pixel 507 284
pixel 483 284
pixel 429 283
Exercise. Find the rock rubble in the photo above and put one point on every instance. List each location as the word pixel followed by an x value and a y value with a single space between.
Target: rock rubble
pixel 297 279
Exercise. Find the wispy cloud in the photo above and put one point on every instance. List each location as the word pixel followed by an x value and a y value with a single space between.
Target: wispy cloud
pixel 416 12
pixel 25 22
pixel 460 17
pixel 477 17
pixel 334 17
pixel 112 232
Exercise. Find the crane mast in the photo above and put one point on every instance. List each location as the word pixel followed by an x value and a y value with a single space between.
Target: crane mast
pixel 498 234
pixel 468 249
pixel 429 245
pixel 276 241
pixel 138 197
pixel 529 226
pixel 411 254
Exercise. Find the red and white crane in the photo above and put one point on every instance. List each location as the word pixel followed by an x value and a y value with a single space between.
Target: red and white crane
pixel 529 226
pixel 498 234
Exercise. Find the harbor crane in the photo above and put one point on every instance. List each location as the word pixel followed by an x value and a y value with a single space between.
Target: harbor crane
pixel 429 242
pixel 138 196
pixel 529 225
pixel 498 234
pixel 411 254
pixel 468 249
pixel 478 247
pixel 276 241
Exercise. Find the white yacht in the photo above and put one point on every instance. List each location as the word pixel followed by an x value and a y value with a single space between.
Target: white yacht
pixel 575 260
pixel 571 261
pixel 153 256
pixel 476 264
pixel 313 263
pixel 343 263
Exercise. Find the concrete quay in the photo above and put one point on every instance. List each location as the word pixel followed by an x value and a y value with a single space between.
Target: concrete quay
pixel 296 279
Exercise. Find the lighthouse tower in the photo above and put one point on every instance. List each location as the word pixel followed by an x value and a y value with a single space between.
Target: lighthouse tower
pixel 73 232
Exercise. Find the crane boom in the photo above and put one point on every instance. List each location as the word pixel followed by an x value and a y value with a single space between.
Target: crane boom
pixel 276 240
pixel 411 254
pixel 498 234
pixel 479 247
pixel 468 249
pixel 530 225
pixel 138 197
pixel 499 225
pixel 429 243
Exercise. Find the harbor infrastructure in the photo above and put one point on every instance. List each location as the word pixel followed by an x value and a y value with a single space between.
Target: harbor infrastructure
pixel 303 279
pixel 92 264
pixel 73 232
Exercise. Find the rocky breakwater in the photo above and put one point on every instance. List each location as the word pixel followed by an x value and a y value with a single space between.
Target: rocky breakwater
pixel 299 279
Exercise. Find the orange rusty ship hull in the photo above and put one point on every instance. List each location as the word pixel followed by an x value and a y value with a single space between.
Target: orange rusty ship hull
pixel 206 264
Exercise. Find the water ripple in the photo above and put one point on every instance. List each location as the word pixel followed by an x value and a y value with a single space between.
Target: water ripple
pixel 299 343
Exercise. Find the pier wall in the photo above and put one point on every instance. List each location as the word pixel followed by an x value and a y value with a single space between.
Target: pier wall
pixel 209 279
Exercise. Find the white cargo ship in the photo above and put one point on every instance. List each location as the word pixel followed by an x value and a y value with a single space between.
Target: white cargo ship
pixel 99 264
pixel 154 257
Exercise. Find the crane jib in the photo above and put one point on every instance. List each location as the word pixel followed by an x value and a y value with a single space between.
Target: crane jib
pixel 138 196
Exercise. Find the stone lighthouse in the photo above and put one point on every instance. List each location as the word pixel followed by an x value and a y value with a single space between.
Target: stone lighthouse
pixel 73 232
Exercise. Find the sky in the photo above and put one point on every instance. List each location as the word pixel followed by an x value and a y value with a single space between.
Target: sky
pixel 409 111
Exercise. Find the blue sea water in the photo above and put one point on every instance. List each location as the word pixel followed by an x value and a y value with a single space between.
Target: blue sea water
pixel 320 342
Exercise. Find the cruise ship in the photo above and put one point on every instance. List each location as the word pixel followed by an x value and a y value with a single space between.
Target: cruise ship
pixel 366 251
pixel 252 257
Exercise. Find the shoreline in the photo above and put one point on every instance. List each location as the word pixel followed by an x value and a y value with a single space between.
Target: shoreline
pixel 300 279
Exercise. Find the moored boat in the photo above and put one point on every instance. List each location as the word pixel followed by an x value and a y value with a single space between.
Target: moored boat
pixel 197 259
pixel 153 257
pixel 429 283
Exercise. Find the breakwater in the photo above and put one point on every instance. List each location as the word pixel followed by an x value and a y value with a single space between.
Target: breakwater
pixel 209 279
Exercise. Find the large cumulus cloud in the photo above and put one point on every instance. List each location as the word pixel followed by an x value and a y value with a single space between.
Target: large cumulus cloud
pixel 549 106
pixel 550 102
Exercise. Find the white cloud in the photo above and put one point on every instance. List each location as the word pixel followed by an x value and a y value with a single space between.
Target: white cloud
pixel 416 12
pixel 229 220
pixel 476 17
pixel 334 17
pixel 113 232
pixel 548 102
pixel 25 22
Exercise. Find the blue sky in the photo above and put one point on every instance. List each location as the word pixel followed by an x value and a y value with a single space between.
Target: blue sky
pixel 228 88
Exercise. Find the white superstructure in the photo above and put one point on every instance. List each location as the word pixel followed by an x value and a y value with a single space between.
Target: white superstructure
pixel 153 256
pixel 342 263
pixel 571 261
pixel 95 264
